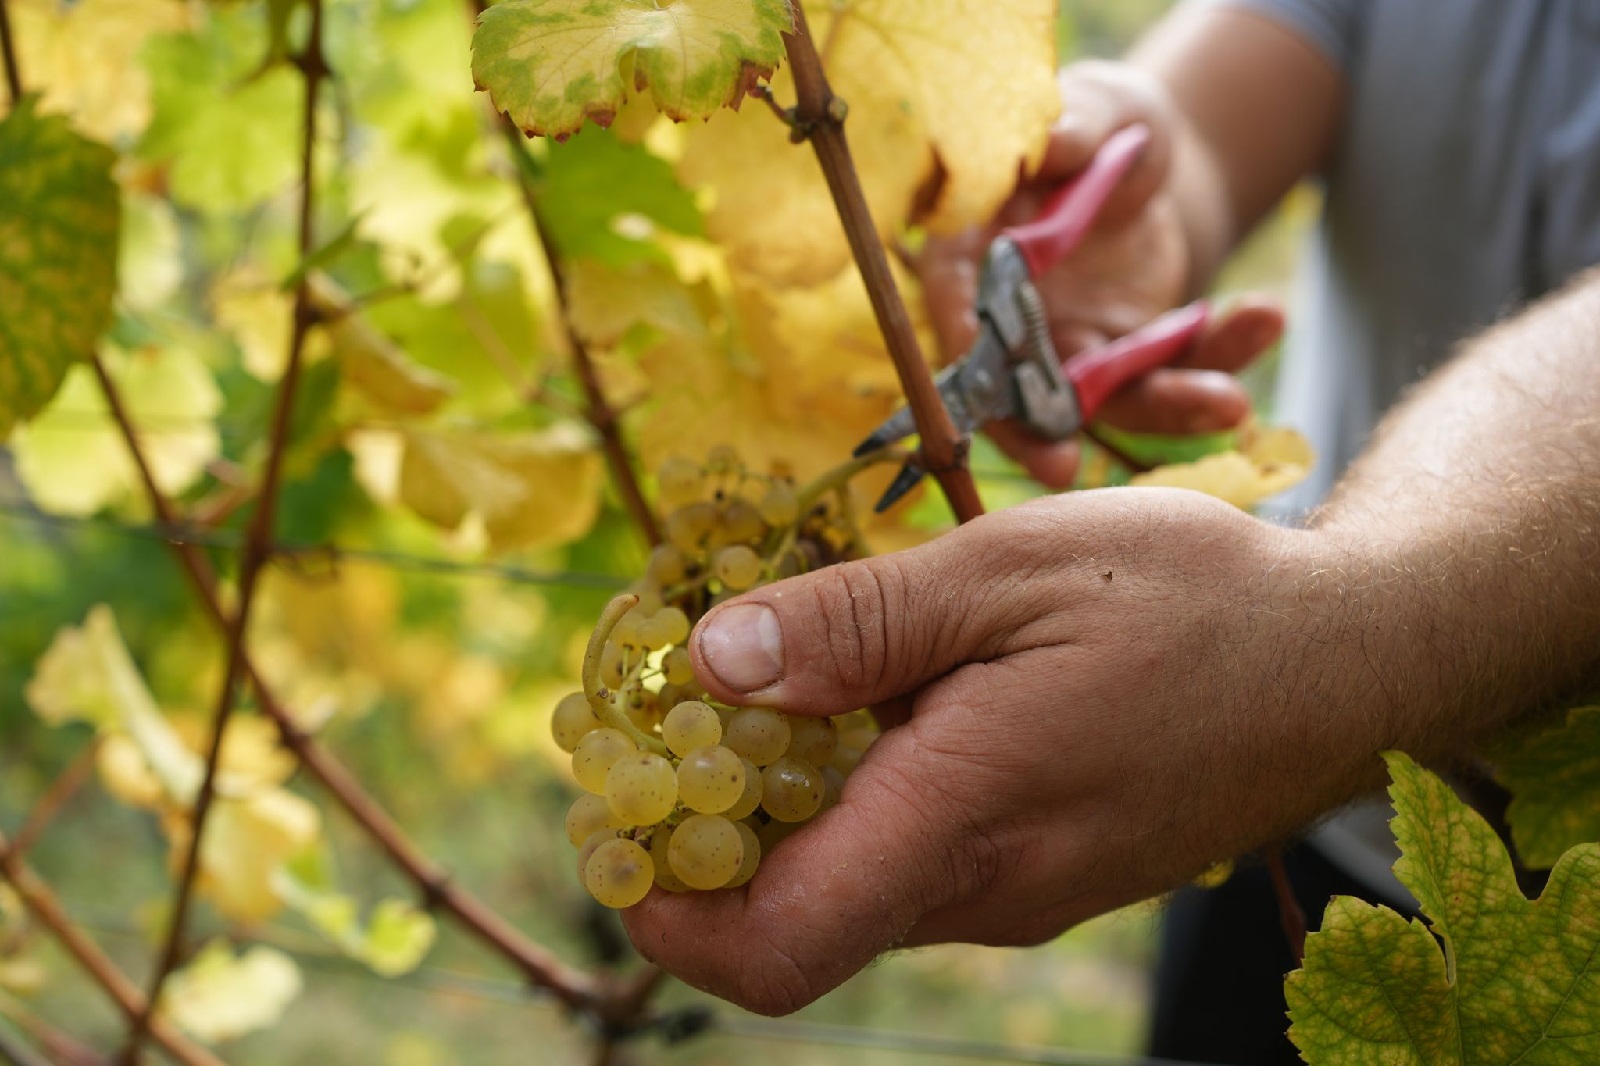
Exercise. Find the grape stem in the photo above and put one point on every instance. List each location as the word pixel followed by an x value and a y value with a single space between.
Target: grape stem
pixel 598 695
pixel 819 118
pixel 836 480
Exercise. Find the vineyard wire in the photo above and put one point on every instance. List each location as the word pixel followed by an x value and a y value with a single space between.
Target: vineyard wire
pixel 709 1020
pixel 17 510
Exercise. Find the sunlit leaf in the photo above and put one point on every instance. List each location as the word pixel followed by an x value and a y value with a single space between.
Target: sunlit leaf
pixel 1554 779
pixel 58 238
pixel 948 99
pixel 529 489
pixel 84 57
pixel 1491 979
pixel 87 675
pixel 231 140
pixel 394 940
pixel 374 365
pixel 219 996
pixel 246 841
pixel 73 458
pixel 554 64
pixel 399 936
pixel 149 263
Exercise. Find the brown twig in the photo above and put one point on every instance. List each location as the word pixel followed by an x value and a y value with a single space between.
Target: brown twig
pixel 58 1048
pixel 62 789
pixel 571 986
pixel 257 537
pixel 819 118
pixel 1289 912
pixel 8 50
pixel 45 908
pixel 597 410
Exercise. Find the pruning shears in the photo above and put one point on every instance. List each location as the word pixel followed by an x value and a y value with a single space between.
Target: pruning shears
pixel 1012 370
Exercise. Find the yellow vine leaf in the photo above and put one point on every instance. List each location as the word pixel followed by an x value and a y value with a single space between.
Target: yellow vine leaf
pixel 247 840
pixel 84 58
pixel 605 302
pixel 87 675
pixel 531 489
pixel 256 313
pixel 949 100
pixel 372 364
pixel 219 996
pixel 1265 463
pixel 554 64
pixel 72 457
pixel 147 760
pixel 149 256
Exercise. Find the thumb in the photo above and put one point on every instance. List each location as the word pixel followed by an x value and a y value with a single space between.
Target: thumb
pixel 860 633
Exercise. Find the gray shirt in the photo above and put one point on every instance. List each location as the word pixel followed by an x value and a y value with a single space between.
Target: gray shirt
pixel 1465 182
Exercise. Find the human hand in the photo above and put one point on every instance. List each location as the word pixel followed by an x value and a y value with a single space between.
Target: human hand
pixel 1134 265
pixel 1099 695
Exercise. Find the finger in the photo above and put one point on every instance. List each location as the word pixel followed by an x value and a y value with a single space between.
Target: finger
pixel 948 268
pixel 1198 394
pixel 1178 403
pixel 860 633
pixel 1053 464
pixel 1100 98
pixel 1237 335
pixel 827 901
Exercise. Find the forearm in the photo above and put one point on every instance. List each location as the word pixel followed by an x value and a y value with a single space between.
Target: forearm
pixel 1257 110
pixel 1477 514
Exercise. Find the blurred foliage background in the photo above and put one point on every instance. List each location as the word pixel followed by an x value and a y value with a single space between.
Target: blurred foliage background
pixel 454 672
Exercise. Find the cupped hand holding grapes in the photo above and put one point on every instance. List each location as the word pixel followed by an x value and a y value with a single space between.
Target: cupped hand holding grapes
pixel 1092 694
pixel 1138 262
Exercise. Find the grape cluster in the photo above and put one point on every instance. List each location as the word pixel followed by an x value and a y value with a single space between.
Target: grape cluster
pixel 682 791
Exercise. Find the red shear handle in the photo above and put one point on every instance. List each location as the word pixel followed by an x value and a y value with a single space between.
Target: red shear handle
pixel 1070 212
pixel 1099 373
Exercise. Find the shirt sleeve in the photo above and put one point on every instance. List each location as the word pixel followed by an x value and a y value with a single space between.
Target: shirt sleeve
pixel 1332 27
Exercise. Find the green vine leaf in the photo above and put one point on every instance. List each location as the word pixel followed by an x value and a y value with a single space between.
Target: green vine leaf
pixel 1554 779
pixel 1492 979
pixel 59 217
pixel 553 64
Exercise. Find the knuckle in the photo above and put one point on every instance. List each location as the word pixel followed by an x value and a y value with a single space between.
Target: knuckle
pixel 856 608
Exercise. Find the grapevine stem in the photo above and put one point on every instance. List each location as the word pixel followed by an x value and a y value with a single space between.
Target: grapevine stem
pixel 55 797
pixel 819 117
pixel 569 985
pixel 8 49
pixel 598 410
pixel 47 910
pixel 572 987
pixel 258 535
pixel 598 695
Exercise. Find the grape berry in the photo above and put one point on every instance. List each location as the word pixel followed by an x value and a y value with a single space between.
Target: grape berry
pixel 682 791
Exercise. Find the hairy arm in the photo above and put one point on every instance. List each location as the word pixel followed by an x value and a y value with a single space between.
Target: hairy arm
pixel 1257 109
pixel 1476 512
